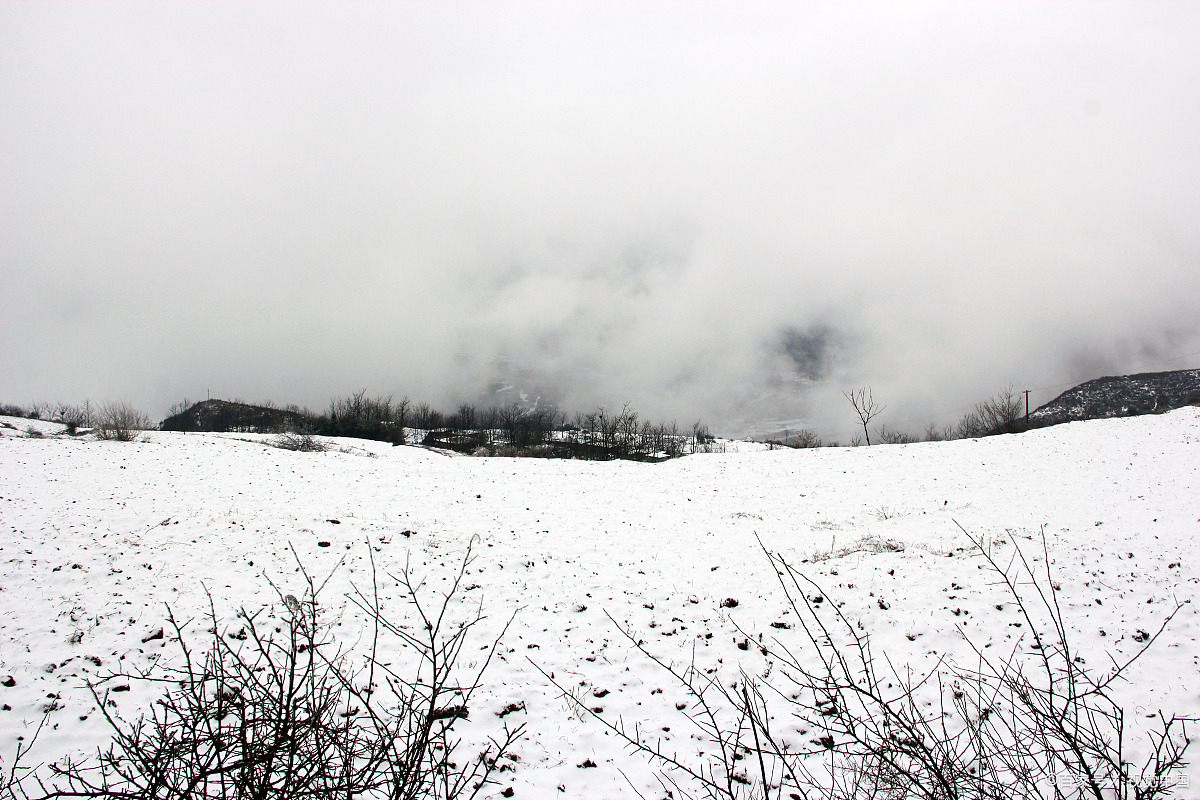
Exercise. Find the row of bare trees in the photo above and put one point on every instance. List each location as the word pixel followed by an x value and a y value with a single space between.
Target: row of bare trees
pixel 626 436
pixel 113 419
pixel 513 429
pixel 73 416
pixel 599 434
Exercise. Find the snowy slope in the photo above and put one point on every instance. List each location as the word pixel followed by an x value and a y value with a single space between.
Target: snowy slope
pixel 97 537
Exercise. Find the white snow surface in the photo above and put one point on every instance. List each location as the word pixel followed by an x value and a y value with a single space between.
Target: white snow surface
pixel 98 538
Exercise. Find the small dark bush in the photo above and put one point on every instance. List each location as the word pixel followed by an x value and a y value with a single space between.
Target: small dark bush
pixel 10 410
pixel 805 439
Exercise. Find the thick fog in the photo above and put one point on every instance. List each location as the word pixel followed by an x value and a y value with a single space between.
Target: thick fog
pixel 724 211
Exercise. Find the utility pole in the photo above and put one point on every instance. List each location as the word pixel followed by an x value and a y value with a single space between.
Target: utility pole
pixel 1026 406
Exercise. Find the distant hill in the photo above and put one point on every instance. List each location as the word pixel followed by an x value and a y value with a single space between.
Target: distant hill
pixel 1121 396
pixel 220 416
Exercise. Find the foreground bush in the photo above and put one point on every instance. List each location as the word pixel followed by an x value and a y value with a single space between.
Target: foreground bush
pixel 119 421
pixel 1033 722
pixel 275 710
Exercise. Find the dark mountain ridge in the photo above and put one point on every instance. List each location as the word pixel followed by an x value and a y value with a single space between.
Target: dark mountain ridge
pixel 1121 396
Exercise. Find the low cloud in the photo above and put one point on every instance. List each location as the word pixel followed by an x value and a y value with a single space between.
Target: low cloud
pixel 702 211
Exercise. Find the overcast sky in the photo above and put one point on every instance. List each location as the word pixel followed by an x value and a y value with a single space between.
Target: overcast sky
pixel 731 211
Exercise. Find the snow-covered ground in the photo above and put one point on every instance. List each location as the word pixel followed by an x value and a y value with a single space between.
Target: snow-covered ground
pixel 97 538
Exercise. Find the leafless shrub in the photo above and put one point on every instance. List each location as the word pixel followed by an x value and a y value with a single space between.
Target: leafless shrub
pixel 1032 722
pixel 969 427
pixel 802 439
pixel 867 544
pixel 299 442
pixel 119 421
pixel 1000 413
pixel 886 435
pixel 279 711
pixel 805 439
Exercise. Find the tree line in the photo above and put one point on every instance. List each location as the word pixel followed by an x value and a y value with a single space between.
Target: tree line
pixel 512 429
pixel 506 429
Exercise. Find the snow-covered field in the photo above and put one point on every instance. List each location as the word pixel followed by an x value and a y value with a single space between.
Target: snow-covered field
pixel 99 537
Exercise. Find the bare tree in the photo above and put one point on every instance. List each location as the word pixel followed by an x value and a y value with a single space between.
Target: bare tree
pixel 465 418
pixel 511 423
pixel 39 409
pixel 865 406
pixel 673 439
pixel 935 434
pixel 402 411
pixel 422 416
pixel 626 425
pixel 178 408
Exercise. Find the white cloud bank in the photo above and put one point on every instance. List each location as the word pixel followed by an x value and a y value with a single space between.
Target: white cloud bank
pixel 702 209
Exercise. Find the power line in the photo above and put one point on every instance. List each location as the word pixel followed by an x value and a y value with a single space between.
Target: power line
pixel 1151 364
pixel 1176 358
